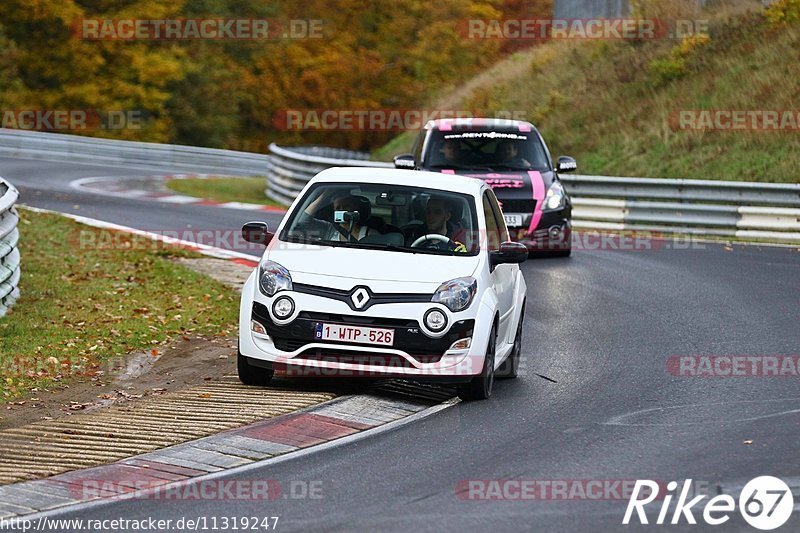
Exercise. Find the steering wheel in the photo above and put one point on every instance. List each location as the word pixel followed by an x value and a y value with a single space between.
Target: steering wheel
pixel 430 237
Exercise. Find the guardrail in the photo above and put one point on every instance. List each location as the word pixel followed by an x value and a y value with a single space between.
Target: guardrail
pixel 9 254
pixel 288 170
pixel 77 149
pixel 744 210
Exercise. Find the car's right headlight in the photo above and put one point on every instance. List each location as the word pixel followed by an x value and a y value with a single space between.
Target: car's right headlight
pixel 273 278
pixel 456 294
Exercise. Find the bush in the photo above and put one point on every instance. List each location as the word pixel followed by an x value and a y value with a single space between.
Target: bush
pixel 783 12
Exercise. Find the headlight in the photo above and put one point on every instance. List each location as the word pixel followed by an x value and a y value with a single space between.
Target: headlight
pixel 273 278
pixel 555 198
pixel 456 294
pixel 435 320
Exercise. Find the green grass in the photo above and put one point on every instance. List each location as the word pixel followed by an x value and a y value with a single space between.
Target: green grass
pixel 609 103
pixel 89 294
pixel 245 190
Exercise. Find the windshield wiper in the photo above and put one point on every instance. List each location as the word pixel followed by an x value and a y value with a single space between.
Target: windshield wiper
pixel 395 248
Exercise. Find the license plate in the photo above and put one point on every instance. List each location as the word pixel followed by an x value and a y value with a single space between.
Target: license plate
pixel 513 221
pixel 358 334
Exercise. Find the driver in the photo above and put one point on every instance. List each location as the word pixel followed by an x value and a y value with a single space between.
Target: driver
pixel 508 152
pixel 438 213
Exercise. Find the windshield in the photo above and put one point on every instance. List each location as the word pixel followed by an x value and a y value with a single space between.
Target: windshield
pixel 385 217
pixel 486 150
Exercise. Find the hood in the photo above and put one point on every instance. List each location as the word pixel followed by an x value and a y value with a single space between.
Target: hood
pixel 510 185
pixel 340 267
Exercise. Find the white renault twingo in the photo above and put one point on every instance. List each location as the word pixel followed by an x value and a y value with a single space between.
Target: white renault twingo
pixel 378 272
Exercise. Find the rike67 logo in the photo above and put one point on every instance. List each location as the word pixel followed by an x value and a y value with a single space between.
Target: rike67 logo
pixel 765 503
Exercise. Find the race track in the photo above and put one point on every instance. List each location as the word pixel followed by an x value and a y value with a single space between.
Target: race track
pixel 596 399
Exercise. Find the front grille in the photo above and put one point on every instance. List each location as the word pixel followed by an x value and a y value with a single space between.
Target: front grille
pixel 408 336
pixel 288 345
pixel 518 206
pixel 377 322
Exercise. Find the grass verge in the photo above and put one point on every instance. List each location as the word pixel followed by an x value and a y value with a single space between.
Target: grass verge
pixel 81 305
pixel 245 190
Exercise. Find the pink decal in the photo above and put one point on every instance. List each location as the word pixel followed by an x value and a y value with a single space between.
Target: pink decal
pixel 505 183
pixel 538 194
pixel 445 125
pixel 448 171
pixel 524 128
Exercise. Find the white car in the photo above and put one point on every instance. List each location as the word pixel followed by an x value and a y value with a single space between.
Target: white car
pixel 383 272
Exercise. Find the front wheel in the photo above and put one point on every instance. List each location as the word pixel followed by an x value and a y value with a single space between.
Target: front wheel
pixel 252 375
pixel 480 387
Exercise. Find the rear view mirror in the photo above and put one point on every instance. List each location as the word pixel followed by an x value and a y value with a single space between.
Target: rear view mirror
pixel 510 252
pixel 391 199
pixel 405 161
pixel 566 164
pixel 257 233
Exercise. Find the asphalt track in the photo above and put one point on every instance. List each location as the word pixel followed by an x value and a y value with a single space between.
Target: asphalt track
pixel 595 400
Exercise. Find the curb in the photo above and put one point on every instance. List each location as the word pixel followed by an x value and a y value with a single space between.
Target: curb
pixel 167 471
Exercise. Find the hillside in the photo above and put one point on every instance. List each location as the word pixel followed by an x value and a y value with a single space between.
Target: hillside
pixel 616 105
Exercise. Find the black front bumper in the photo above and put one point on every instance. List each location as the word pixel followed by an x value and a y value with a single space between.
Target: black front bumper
pixel 408 336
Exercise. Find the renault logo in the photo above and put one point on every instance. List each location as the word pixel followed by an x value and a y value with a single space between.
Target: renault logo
pixel 360 297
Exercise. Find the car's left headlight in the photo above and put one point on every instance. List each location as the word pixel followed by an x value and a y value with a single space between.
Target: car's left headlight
pixel 456 294
pixel 556 197
pixel 273 278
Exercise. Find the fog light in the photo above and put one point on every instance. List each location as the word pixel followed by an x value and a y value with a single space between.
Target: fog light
pixel 555 233
pixel 283 307
pixel 257 328
pixel 435 320
pixel 461 344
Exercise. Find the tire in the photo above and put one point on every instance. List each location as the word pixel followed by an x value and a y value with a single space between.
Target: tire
pixel 510 367
pixel 252 375
pixel 480 387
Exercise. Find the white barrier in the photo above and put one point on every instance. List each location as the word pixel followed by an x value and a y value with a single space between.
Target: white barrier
pixel 9 253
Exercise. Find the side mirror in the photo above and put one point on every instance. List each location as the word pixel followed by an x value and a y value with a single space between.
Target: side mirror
pixel 510 252
pixel 566 164
pixel 405 161
pixel 257 233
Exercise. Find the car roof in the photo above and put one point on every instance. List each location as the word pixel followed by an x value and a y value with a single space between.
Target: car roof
pixel 456 124
pixel 413 178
